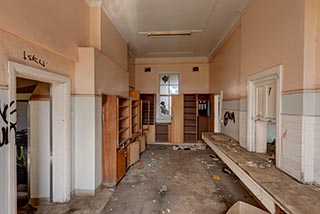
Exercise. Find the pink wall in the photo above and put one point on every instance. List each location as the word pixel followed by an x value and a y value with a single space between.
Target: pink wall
pixel 131 70
pixel 225 67
pixel 112 43
pixel 58 25
pixel 190 82
pixel 12 48
pixel 312 45
pixel 272 33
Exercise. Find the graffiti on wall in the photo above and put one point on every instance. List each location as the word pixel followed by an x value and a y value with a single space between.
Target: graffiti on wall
pixel 228 116
pixel 6 125
pixel 34 58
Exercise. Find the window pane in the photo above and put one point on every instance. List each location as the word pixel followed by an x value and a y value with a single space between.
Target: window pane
pixel 164 79
pixel 174 79
pixel 164 105
pixel 164 90
pixel 174 90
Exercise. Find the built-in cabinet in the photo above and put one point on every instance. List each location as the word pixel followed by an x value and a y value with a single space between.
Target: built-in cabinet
pixel 190 117
pixel 121 128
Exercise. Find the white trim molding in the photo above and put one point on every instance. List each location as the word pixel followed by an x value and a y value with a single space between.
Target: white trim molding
pixel 274 73
pixel 60 128
pixel 170 60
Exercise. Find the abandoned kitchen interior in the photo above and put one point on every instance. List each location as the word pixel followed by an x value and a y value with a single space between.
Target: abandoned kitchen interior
pixel 172 106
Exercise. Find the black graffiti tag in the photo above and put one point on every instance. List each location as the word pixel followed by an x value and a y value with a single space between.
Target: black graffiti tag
pixel 4 133
pixel 228 116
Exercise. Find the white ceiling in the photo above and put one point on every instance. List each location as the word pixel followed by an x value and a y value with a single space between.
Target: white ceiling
pixel 212 19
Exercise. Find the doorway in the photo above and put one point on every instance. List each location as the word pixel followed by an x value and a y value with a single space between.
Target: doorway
pixel 60 129
pixel 218 96
pixel 264 113
pixel 33 144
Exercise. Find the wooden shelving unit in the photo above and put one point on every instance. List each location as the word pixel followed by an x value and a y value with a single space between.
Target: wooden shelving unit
pixel 190 118
pixel 148 109
pixel 116 138
pixel 135 118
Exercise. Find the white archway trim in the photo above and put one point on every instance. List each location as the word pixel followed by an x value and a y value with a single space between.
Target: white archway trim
pixel 61 130
pixel 268 74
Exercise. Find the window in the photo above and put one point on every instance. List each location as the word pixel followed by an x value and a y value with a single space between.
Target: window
pixel 168 85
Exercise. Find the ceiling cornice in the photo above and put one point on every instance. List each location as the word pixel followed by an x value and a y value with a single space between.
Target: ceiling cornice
pixel 171 60
pixel 230 27
pixel 94 2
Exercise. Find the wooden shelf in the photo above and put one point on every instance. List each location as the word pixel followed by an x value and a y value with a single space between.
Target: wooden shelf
pixel 123 140
pixel 122 129
pixel 123 118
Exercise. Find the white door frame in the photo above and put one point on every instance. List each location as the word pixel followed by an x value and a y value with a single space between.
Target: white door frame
pixel 217 124
pixel 268 74
pixel 61 131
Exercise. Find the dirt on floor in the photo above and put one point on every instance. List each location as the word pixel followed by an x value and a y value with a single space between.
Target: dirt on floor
pixel 179 182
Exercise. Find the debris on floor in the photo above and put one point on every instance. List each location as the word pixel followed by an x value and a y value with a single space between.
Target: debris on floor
pixel 216 177
pixel 163 189
pixel 227 170
pixel 244 208
pixel 214 158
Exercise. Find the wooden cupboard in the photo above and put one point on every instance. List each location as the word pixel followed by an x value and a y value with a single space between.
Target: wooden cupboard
pixel 191 115
pixel 121 125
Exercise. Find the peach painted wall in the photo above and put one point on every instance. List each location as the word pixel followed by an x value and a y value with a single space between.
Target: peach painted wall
pixel 225 67
pixel 110 78
pixel 12 48
pixel 312 45
pixel 190 82
pixel 112 44
pixel 131 70
pixel 97 74
pixel 271 34
pixel 58 25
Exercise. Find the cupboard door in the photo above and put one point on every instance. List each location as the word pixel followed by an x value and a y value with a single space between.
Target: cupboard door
pixel 121 164
pixel 177 119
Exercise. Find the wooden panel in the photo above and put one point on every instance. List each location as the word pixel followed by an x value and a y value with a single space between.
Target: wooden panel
pixel 121 164
pixel 190 118
pixel 134 94
pixel 151 134
pixel 134 152
pixel 177 119
pixel 161 132
pixel 109 146
pixel 142 140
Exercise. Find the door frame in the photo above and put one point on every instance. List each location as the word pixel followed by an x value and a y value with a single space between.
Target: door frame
pixel 273 73
pixel 220 94
pixel 61 131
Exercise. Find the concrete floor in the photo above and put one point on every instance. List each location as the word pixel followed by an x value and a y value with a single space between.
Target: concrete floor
pixel 188 177
pixel 186 174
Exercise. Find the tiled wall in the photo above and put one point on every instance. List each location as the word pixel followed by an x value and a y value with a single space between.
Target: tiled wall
pixel 291 145
pixel 317 151
pixel 243 128
pixel 232 128
pixel 307 147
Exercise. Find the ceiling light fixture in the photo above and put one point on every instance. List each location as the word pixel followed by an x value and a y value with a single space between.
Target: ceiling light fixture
pixel 170 33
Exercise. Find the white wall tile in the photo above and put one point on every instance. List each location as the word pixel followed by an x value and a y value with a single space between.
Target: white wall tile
pixel 291 145
pixel 243 128
pixel 232 128
pixel 317 151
